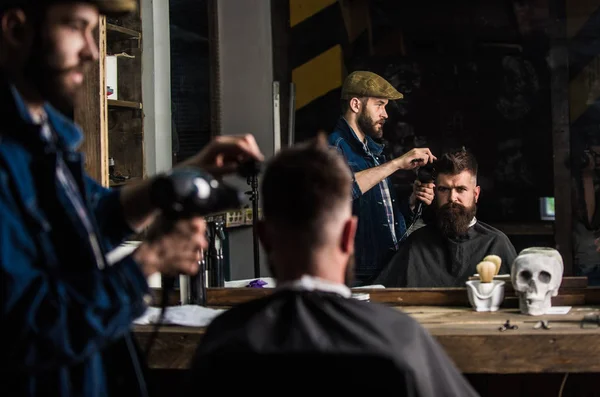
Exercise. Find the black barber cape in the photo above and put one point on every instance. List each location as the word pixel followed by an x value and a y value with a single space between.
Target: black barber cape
pixel 428 259
pixel 277 345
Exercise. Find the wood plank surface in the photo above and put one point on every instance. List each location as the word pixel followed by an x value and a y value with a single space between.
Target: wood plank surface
pixel 399 296
pixel 173 348
pixel 473 341
pixel 124 32
pixel 124 104
pixel 90 114
pixel 570 293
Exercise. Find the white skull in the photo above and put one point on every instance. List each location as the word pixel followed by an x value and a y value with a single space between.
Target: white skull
pixel 536 275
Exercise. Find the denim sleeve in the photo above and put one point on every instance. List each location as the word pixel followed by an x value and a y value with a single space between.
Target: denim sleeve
pixel 356 192
pixel 53 317
pixel 108 211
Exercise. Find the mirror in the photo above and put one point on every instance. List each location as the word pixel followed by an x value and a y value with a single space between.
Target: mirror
pixel 495 77
pixel 476 74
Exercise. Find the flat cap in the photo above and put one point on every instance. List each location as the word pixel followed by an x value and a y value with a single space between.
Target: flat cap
pixel 106 7
pixel 368 84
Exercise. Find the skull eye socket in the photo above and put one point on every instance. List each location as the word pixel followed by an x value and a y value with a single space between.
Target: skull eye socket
pixel 545 277
pixel 525 276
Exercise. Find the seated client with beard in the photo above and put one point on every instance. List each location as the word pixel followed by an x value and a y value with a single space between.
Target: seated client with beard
pixel 445 252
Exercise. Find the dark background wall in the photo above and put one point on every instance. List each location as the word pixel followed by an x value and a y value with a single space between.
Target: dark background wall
pixel 190 78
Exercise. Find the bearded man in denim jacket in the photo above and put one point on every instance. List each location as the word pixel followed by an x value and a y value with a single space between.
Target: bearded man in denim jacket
pixel 66 313
pixel 382 218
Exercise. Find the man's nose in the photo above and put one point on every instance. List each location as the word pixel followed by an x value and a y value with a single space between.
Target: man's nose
pixel 453 196
pixel 90 50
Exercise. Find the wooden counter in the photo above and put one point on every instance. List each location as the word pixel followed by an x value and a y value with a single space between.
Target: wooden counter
pixel 524 362
pixel 475 343
pixel 471 339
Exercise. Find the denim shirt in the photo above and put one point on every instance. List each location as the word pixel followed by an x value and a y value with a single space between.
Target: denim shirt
pixel 65 318
pixel 374 243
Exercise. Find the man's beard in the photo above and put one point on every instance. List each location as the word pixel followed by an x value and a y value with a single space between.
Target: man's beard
pixel 453 219
pixel 368 126
pixel 49 80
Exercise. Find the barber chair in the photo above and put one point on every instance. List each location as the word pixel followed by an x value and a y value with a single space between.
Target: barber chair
pixel 282 374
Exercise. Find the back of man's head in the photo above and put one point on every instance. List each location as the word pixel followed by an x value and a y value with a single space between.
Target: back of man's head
pixel 306 196
pixel 305 186
pixel 456 161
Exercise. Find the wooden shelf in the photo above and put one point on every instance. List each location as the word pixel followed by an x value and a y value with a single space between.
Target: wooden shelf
pixel 116 126
pixel 133 179
pixel 124 104
pixel 119 30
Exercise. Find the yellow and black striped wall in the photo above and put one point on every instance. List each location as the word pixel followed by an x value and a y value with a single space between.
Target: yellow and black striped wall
pixel 323 34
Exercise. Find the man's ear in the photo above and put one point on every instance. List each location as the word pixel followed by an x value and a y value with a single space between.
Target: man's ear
pixel 263 235
pixel 355 105
pixel 477 191
pixel 348 234
pixel 16 31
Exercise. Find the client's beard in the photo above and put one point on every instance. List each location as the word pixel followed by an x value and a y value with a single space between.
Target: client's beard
pixel 453 219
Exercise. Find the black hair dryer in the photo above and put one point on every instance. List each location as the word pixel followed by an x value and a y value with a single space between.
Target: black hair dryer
pixel 190 192
pixel 185 193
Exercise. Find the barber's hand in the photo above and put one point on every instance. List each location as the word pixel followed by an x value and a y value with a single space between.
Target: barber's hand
pixel 223 154
pixel 172 249
pixel 415 158
pixel 423 192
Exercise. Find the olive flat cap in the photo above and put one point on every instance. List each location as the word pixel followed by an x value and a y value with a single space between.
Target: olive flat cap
pixel 106 7
pixel 368 84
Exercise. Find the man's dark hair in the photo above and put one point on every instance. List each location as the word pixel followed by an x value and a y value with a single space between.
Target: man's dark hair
pixel 302 186
pixel 455 162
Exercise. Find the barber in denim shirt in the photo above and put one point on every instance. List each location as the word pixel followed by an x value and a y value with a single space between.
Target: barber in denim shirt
pixel 382 218
pixel 65 312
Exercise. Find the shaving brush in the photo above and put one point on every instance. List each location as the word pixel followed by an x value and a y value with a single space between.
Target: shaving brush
pixel 486 270
pixel 496 260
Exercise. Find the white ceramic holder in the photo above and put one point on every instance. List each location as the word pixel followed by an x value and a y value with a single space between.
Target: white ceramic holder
pixel 485 297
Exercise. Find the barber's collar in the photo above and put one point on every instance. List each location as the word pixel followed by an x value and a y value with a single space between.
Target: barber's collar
pixel 310 283
pixel 68 133
pixel 473 222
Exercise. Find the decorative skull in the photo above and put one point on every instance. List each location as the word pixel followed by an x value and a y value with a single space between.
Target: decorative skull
pixel 536 275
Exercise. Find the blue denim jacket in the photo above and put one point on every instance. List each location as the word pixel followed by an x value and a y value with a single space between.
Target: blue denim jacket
pixel 65 320
pixel 374 241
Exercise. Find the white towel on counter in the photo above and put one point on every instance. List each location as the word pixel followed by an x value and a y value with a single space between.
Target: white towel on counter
pixel 185 315
pixel 374 286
